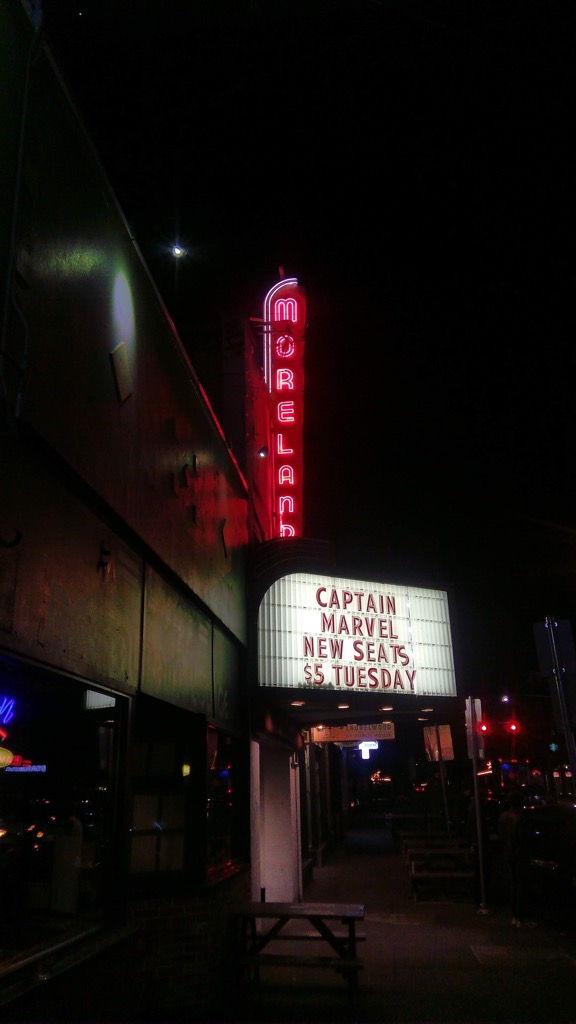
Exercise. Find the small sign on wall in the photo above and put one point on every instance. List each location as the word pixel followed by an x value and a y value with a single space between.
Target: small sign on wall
pixel 353 733
pixel 438 738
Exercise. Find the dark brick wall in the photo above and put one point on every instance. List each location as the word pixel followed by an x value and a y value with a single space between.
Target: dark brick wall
pixel 184 946
pixel 175 966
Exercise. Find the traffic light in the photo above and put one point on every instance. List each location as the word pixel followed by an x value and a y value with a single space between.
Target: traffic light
pixel 483 728
pixel 513 727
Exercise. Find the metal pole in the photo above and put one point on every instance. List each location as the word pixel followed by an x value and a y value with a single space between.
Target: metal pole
pixel 482 909
pixel 557 672
pixel 443 780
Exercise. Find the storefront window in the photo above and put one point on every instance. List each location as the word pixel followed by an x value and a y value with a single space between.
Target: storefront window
pixel 158 832
pixel 166 826
pixel 219 802
pixel 58 742
pixel 189 821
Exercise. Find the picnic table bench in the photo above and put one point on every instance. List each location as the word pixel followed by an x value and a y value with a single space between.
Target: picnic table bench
pixel 403 822
pixel 439 866
pixel 437 839
pixel 263 924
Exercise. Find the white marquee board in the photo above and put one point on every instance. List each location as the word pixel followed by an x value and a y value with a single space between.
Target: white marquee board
pixel 327 633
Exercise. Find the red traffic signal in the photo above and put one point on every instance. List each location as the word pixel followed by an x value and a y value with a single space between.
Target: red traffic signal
pixel 483 727
pixel 512 727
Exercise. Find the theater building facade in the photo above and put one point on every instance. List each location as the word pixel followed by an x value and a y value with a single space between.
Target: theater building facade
pixel 333 663
pixel 124 799
pixel 341 667
pixel 170 640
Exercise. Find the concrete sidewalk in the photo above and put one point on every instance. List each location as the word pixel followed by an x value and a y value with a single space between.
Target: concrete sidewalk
pixel 427 961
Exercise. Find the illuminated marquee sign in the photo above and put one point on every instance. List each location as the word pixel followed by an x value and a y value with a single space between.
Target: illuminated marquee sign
pixel 318 632
pixel 284 335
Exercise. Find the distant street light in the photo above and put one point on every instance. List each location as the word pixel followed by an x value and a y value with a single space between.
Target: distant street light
pixel 178 253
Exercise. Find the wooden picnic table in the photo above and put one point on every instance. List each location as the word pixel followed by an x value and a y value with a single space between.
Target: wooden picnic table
pixel 439 865
pixel 414 843
pixel 262 924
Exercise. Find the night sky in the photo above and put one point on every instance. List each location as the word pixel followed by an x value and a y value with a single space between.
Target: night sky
pixel 412 164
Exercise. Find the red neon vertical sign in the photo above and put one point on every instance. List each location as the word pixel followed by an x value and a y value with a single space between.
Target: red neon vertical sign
pixel 284 337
